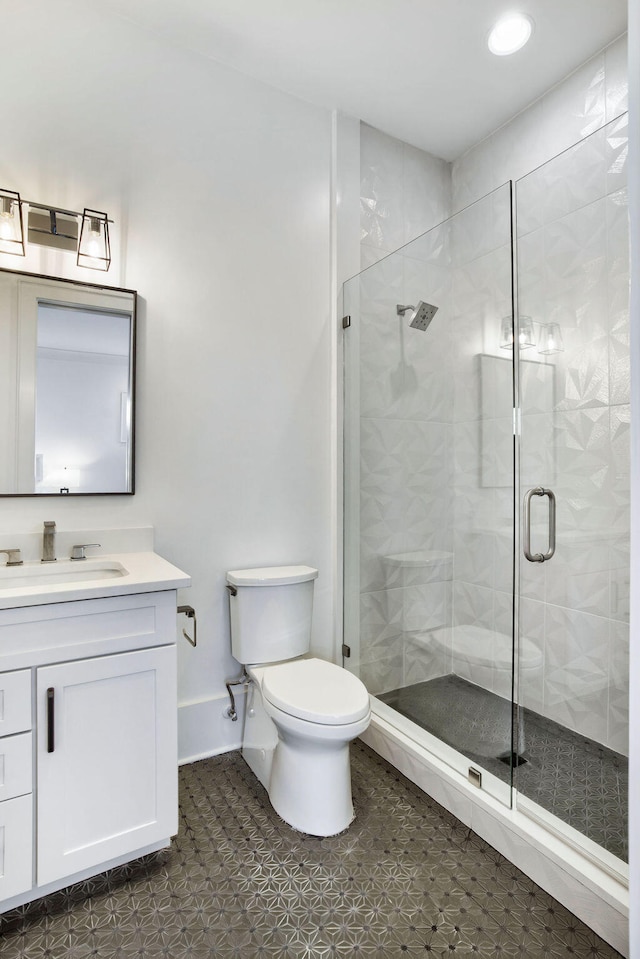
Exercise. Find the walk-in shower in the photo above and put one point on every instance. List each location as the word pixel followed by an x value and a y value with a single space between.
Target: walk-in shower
pixel 487 493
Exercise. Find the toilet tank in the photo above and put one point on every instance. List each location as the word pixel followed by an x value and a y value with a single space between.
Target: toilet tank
pixel 270 612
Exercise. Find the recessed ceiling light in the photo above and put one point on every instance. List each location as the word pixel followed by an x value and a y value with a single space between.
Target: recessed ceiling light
pixel 510 34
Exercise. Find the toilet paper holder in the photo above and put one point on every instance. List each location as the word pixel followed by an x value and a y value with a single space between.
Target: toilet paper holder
pixel 190 613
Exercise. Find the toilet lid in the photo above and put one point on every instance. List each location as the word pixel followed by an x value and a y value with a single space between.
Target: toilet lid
pixel 315 690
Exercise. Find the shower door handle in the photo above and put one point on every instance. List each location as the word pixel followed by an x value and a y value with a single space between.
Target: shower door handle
pixel 539 557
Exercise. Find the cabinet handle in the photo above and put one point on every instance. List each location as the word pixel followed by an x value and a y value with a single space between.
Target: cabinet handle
pixel 50 719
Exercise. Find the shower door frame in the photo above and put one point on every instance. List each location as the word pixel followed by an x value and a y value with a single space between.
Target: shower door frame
pixel 492 786
pixel 595 853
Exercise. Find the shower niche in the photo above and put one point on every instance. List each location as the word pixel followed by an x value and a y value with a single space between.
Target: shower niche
pixel 513 668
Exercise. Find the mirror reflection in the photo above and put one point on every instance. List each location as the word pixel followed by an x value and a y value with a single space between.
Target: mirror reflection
pixel 66 373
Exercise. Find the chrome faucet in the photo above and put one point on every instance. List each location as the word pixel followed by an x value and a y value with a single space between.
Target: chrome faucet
pixel 49 542
pixel 13 557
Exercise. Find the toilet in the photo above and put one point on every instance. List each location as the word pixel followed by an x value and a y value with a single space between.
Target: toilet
pixel 301 712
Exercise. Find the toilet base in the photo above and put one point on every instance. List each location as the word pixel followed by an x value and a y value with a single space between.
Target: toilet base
pixel 311 787
pixel 308 780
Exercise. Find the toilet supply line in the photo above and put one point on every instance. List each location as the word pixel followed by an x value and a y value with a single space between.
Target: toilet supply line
pixel 243 680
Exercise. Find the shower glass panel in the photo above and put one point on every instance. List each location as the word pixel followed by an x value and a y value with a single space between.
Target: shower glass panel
pixel 429 488
pixel 573 288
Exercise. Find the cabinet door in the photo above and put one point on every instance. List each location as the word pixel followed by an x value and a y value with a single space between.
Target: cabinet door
pixel 16 831
pixel 107 759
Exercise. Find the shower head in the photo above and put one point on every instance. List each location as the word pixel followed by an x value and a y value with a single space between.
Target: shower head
pixel 421 315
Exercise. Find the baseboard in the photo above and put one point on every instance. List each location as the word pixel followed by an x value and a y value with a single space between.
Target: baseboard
pixel 204 729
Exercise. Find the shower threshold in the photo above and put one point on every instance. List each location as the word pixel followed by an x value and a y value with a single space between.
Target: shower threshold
pixel 576 779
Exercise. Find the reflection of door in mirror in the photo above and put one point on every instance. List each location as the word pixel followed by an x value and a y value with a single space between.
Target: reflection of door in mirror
pixel 82 375
pixel 66 374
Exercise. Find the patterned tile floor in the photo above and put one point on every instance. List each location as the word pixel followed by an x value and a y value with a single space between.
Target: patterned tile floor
pixel 406 879
pixel 578 780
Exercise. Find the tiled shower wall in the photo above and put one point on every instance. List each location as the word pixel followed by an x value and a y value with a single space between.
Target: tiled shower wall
pixel 434 443
pixel 574 271
pixel 588 98
pixel 403 192
pixel 405 411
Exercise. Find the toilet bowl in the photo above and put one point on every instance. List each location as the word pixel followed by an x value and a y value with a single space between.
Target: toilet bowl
pixel 317 709
pixel 301 712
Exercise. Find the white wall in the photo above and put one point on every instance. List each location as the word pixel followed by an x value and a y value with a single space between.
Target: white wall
pixel 219 187
pixel 634 671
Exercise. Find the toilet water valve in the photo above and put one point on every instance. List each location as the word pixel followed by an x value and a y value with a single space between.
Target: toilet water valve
pixel 231 710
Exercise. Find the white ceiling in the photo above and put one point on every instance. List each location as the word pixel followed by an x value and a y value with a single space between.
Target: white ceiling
pixel 417 69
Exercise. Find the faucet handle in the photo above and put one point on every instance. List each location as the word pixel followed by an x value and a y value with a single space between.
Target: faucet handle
pixel 13 557
pixel 77 552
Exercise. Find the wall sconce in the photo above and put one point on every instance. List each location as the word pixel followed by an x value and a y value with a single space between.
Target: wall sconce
pixel 94 250
pixel 11 232
pixel 550 339
pixel 86 234
pixel 525 335
pixel 55 228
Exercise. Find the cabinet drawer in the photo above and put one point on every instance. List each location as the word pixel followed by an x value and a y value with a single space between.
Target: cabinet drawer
pixel 15 702
pixel 15 766
pixel 16 847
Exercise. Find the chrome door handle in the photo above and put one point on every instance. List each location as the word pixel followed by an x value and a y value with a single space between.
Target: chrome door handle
pixel 526 546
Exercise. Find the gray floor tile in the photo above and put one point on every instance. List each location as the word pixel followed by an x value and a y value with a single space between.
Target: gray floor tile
pixel 578 780
pixel 406 879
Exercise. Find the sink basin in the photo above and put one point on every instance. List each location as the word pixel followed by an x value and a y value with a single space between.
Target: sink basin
pixel 59 573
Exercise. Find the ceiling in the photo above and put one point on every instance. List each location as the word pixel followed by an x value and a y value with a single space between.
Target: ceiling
pixel 418 69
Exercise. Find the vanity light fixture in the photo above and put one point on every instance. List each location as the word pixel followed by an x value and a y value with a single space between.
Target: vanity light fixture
pixel 525 337
pixel 94 250
pixel 50 227
pixel 11 231
pixel 550 339
pixel 86 234
pixel 510 34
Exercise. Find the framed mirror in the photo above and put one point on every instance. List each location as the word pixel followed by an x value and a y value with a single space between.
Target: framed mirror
pixel 67 379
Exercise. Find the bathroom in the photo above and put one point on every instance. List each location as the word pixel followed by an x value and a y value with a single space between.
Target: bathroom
pixel 227 237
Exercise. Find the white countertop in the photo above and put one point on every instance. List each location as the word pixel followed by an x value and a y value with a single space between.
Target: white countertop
pixel 113 574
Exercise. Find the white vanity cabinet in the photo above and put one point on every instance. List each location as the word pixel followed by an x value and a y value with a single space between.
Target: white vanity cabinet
pixel 107 765
pixel 92 752
pixel 15 783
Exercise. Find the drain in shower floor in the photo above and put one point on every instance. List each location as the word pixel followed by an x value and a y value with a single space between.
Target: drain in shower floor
pixel 512 759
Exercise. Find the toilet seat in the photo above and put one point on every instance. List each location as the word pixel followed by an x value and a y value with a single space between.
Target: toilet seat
pixel 315 691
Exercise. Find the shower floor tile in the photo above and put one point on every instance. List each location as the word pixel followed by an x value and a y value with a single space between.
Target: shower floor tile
pixel 581 782
pixel 406 879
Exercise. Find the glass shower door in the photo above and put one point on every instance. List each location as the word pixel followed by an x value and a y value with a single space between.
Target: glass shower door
pixel 573 287
pixel 429 489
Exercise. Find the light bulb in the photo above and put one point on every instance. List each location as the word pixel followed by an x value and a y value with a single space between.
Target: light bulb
pixel 510 34
pixel 94 241
pixel 7 219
